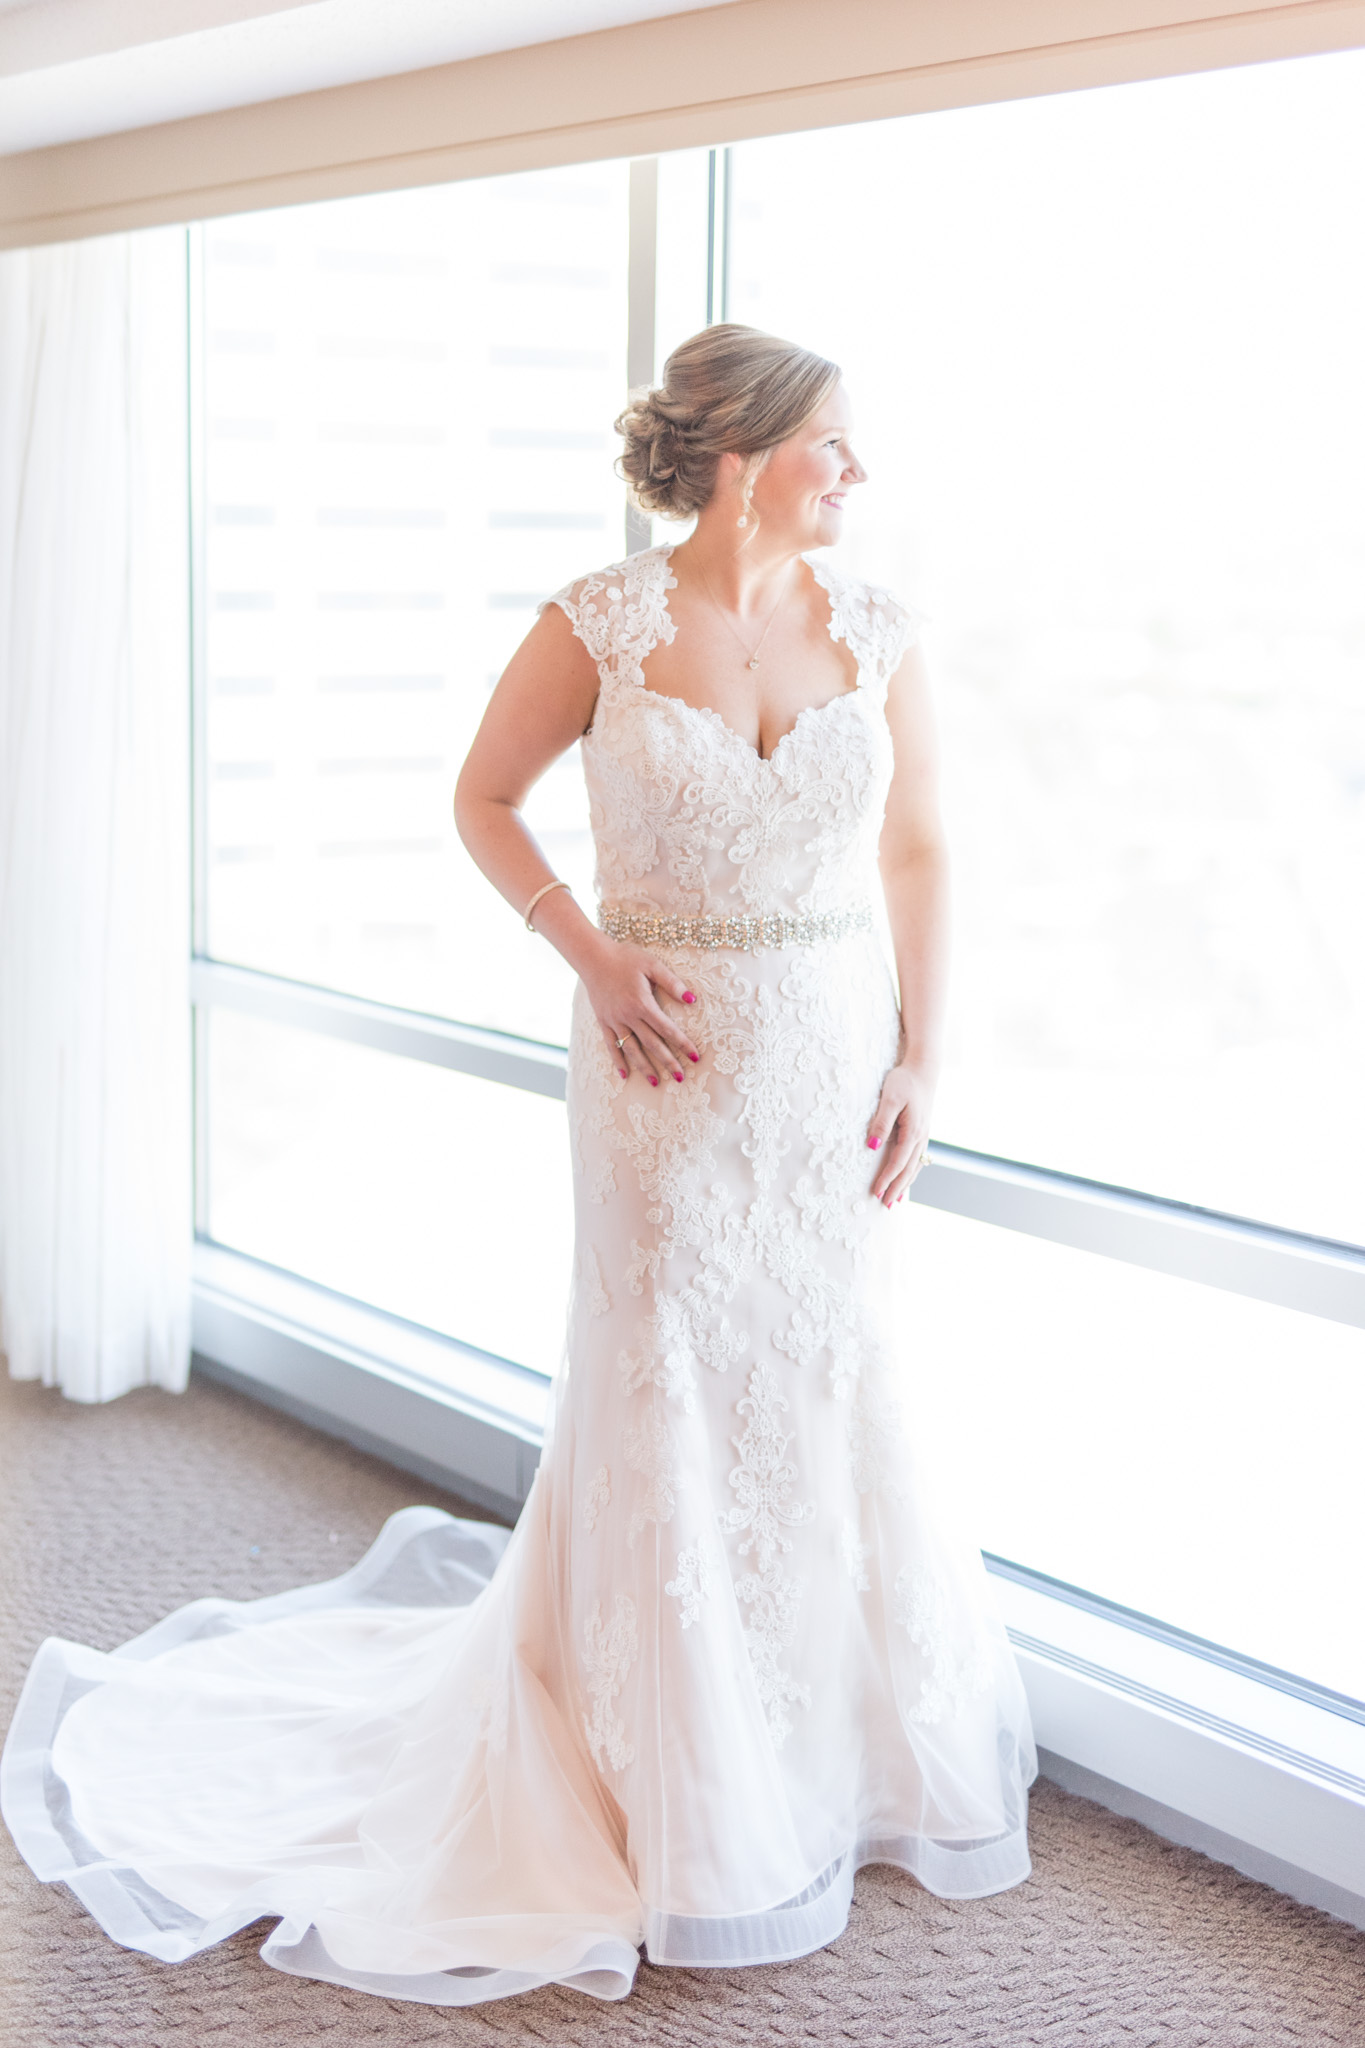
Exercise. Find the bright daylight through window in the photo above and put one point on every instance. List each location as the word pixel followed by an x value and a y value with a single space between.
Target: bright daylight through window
pixel 1103 351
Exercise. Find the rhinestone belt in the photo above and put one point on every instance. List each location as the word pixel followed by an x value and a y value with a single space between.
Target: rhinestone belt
pixel 774 928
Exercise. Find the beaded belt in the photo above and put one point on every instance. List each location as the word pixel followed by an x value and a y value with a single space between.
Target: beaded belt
pixel 775 928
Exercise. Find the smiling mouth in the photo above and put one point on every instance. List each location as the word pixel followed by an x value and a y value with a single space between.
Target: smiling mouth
pixel 834 498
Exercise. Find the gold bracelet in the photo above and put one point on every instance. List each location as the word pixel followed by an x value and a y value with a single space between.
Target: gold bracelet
pixel 536 898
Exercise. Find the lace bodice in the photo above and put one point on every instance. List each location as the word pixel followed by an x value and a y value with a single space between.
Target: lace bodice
pixel 687 817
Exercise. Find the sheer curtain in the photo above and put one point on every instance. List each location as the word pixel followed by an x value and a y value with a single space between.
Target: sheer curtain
pixel 95 1150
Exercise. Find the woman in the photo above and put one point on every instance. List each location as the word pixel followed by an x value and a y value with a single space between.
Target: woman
pixel 729 1654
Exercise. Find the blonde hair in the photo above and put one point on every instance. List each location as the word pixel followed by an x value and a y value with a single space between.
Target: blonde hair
pixel 729 390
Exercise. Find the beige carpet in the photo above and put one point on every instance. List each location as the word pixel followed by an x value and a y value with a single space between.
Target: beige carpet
pixel 115 1515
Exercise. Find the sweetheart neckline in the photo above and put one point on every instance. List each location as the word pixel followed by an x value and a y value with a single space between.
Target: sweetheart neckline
pixel 836 632
pixel 708 711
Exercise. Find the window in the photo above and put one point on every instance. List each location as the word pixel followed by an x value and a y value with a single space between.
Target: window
pixel 406 408
pixel 1103 351
pixel 407 405
pixel 1102 348
pixel 353 1167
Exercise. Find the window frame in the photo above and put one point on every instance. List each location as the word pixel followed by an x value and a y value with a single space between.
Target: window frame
pixel 1292 1269
pixel 434 1405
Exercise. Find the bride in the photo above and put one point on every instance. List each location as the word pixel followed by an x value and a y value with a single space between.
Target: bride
pixel 733 1650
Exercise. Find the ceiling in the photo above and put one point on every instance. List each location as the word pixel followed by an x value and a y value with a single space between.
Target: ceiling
pixel 70 69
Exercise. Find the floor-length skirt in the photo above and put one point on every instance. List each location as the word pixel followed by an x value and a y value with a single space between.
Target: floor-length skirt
pixel 733 1649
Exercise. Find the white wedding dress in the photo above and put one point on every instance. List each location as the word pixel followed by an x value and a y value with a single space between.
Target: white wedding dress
pixel 730 1652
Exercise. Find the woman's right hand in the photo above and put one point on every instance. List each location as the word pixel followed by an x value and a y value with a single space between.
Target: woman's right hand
pixel 622 983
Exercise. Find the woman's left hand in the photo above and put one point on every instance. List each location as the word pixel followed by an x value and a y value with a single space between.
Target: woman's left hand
pixel 900 1132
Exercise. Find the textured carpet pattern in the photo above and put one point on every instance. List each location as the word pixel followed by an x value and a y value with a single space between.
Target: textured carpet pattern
pixel 115 1515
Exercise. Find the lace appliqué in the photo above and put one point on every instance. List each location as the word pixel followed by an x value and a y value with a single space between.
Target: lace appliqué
pixel 856 1554
pixel 764 1480
pixel 621 612
pixel 597 1499
pixel 826 1317
pixel 764 1477
pixel 686 1330
pixel 773 1598
pixel 761 1039
pixel 594 1086
pixel 608 1652
pixel 671 1145
pixel 594 1287
pixel 875 1441
pixel 688 817
pixel 649 1454
pixel 657 1363
pixel 695 1582
pixel 922 1607
pixel 769 1040
pixel 877 628
pixel 832 1194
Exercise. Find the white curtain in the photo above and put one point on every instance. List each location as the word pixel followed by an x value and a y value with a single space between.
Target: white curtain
pixel 95 1160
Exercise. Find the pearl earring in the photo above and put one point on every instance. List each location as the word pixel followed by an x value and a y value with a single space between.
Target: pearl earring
pixel 743 519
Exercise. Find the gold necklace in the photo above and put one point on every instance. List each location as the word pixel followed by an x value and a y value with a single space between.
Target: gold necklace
pixel 750 655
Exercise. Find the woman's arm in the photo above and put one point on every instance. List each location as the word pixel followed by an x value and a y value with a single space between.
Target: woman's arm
pixel 543 703
pixel 914 865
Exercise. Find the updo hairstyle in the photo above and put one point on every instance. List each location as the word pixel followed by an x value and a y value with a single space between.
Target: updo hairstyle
pixel 729 390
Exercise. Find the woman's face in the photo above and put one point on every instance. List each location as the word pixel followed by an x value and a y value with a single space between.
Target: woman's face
pixel 799 494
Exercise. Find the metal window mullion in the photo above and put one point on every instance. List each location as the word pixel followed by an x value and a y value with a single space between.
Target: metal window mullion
pixel 1289 1269
pixel 641 276
pixel 727 157
pixel 196 486
pixel 719 181
pixel 196 482
pixel 407 1034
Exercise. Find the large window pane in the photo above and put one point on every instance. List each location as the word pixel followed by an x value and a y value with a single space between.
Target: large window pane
pixel 1104 351
pixel 1183 1451
pixel 437 1196
pixel 408 402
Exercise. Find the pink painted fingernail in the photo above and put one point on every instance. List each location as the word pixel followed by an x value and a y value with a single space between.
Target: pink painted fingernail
pixel 622 1072
pixel 693 1057
pixel 873 1143
pixel 653 1080
pixel 676 1075
pixel 688 996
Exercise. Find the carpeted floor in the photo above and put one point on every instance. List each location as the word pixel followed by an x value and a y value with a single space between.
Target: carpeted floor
pixel 114 1515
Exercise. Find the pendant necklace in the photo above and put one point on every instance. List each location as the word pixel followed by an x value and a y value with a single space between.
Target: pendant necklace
pixel 750 654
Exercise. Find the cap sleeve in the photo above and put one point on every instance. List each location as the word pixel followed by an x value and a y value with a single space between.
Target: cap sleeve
pixel 621 612
pixel 878 628
pixel 585 605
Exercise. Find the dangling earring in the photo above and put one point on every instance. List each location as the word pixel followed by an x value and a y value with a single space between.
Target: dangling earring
pixel 743 519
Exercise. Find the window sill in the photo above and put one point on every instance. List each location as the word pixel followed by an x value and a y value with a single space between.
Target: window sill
pixel 1207 1756
pixel 1212 1758
pixel 456 1417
